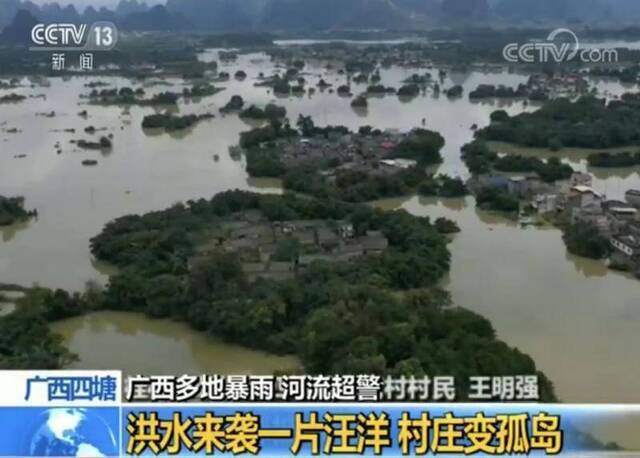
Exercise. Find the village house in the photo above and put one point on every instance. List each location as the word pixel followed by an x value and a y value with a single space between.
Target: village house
pixel 527 186
pixel 627 252
pixel 277 271
pixel 567 85
pixel 353 150
pixel 619 215
pixel 546 203
pixel 257 243
pixel 633 228
pixel 348 251
pixel 581 196
pixel 584 205
pixel 306 260
pixel 618 221
pixel 576 179
pixel 395 165
pixel 592 213
pixel 374 243
pixel 582 199
pixel 581 179
pixel 490 181
pixel 370 154
pixel 627 244
pixel 253 231
pixel 632 196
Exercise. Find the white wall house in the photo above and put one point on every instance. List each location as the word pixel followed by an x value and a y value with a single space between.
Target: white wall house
pixel 585 196
pixel 628 245
pixel 632 197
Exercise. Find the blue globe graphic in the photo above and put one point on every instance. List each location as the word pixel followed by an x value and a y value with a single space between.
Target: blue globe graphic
pixel 72 432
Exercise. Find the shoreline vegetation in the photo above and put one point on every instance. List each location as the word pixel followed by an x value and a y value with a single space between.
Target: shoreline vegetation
pixel 339 164
pixel 589 122
pixel 12 211
pixel 591 229
pixel 381 313
pixel 171 123
pixel 12 98
pixel 499 146
pixel 585 240
pixel 104 143
pixel 480 159
pixel 129 96
pixel 613 160
pixel 271 112
pixel 378 313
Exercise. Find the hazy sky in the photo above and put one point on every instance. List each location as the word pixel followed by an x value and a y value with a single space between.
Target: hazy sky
pixel 84 3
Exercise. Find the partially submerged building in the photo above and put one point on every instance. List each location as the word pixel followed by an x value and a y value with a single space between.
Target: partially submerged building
pixel 281 250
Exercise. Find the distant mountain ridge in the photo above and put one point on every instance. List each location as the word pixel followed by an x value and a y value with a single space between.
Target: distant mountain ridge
pixel 300 15
pixel 571 10
pixel 19 31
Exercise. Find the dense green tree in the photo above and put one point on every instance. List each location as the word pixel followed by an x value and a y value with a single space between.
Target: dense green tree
pixel 624 159
pixel 168 121
pixel 455 91
pixel 409 90
pixel 585 240
pixel 588 122
pixel 306 125
pixel 235 103
pixel 12 210
pixel 549 171
pixel 351 311
pixel 446 226
pixel 493 198
pixel 360 102
pixel 421 145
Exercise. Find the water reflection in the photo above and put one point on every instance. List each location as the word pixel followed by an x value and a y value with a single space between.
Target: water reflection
pixel 136 344
pixel 492 219
pixel 9 232
pixel 606 173
pixel 590 268
pixel 561 309
pixel 613 182
pixel 7 308
pixel 266 185
pixel 455 204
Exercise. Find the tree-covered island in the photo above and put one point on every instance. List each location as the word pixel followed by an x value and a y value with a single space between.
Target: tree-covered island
pixel 550 191
pixel 588 122
pixel 346 287
pixel 170 122
pixel 271 112
pixel 333 162
pixel 12 210
pixel 130 96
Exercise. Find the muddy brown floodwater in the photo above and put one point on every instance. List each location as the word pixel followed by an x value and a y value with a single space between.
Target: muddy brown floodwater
pixel 577 320
pixel 136 344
